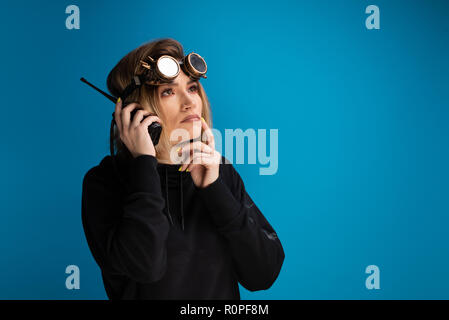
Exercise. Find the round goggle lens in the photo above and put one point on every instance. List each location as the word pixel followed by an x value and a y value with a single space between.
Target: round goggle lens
pixel 168 67
pixel 198 63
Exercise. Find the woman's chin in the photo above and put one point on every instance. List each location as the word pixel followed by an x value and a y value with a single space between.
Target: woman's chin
pixel 185 132
pixel 192 130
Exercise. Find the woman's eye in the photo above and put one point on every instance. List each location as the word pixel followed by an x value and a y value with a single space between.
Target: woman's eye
pixel 166 91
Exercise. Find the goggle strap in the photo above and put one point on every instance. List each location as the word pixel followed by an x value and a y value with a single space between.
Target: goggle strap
pixel 135 83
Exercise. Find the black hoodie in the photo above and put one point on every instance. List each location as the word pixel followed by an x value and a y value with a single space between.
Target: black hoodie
pixel 165 238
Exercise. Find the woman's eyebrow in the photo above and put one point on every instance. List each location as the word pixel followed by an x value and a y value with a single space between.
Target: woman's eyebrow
pixel 175 83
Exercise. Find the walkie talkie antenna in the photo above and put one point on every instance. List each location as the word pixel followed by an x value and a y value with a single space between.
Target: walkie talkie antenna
pixel 99 90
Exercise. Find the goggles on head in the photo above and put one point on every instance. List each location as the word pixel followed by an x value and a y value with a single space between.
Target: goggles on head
pixel 165 69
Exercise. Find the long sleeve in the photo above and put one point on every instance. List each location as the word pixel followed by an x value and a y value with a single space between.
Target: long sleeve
pixel 127 237
pixel 256 250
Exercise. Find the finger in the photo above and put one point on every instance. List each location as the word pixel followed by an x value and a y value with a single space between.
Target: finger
pixel 207 159
pixel 210 140
pixel 198 158
pixel 138 117
pixel 149 120
pixel 202 159
pixel 117 115
pixel 191 167
pixel 196 146
pixel 126 115
pixel 185 161
pixel 187 156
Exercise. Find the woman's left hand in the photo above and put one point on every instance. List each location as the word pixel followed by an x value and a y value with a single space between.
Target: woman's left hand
pixel 203 162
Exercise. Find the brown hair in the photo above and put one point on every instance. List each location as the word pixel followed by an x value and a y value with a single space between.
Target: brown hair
pixel 121 75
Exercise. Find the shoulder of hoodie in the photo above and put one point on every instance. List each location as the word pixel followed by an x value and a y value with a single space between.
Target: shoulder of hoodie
pixel 100 173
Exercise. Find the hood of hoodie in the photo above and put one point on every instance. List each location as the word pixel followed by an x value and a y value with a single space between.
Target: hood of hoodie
pixel 170 178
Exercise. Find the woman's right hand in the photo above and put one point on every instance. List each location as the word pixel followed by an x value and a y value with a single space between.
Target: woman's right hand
pixel 134 134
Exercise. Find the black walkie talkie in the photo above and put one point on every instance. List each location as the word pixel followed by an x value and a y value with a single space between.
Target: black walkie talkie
pixel 154 129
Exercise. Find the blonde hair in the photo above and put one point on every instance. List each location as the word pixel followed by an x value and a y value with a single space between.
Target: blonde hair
pixel 121 75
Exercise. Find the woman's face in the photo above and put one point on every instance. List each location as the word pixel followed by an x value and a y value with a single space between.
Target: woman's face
pixel 178 100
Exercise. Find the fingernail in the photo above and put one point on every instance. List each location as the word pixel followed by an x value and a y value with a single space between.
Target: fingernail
pixel 178 149
pixel 180 168
pixel 188 170
pixel 203 119
pixel 119 99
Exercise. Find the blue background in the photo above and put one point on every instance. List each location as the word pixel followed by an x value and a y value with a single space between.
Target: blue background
pixel 363 134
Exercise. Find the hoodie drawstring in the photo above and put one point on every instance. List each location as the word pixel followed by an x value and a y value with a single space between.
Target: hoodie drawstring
pixel 182 205
pixel 182 199
pixel 166 196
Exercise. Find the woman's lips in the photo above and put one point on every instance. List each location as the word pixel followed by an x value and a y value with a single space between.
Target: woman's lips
pixel 191 119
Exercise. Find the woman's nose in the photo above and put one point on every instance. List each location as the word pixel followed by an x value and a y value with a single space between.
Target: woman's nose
pixel 186 102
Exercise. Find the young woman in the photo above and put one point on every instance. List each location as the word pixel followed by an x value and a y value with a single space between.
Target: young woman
pixel 163 229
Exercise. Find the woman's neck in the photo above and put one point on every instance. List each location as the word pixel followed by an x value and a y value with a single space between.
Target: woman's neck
pixel 164 157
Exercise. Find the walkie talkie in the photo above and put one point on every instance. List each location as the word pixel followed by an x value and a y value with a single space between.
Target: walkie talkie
pixel 154 129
